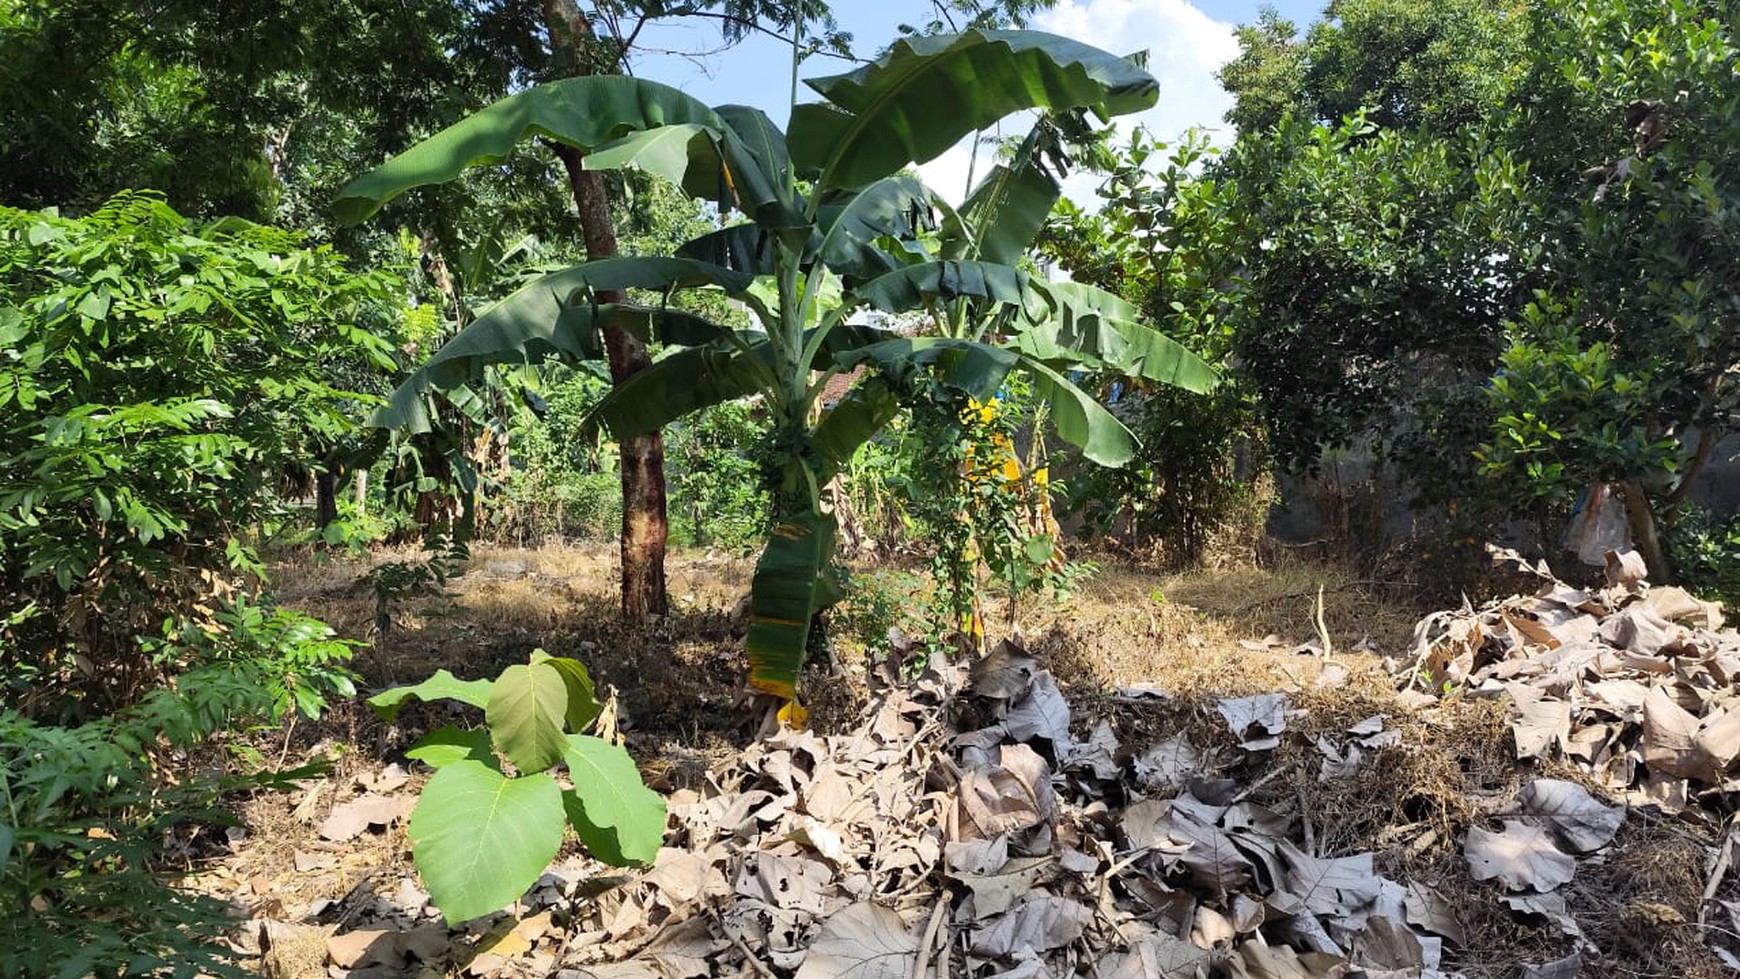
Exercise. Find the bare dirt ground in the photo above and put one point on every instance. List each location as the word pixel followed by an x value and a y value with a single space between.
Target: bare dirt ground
pixel 1152 675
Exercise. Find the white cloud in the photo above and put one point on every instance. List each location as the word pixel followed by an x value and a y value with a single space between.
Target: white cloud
pixel 1185 48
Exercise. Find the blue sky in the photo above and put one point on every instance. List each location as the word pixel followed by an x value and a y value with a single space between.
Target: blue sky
pixel 1187 43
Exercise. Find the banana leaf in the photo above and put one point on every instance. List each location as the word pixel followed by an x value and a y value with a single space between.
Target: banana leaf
pixel 1081 324
pixel 791 584
pixel 532 331
pixel 914 286
pixel 928 92
pixel 683 381
pixel 580 112
pixel 852 227
pixel 978 369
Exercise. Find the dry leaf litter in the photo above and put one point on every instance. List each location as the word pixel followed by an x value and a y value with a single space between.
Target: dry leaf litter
pixel 962 829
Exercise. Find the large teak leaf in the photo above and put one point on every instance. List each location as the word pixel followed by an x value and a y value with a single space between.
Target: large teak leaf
pixel 526 712
pixel 481 839
pixel 442 686
pixel 618 818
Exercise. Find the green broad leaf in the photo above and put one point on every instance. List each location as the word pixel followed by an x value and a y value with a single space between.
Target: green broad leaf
pixel 760 138
pixel 1081 324
pixel 618 818
pixel 442 686
pixel 526 712
pixel 897 207
pixel 1079 417
pixel 1039 549
pixel 532 327
pixel 446 745
pixel 973 368
pixel 865 410
pixel 584 113
pixel 683 382
pixel 481 839
pixel 583 705
pixel 741 248
pixel 12 328
pixel 1000 218
pixel 926 93
pixel 915 286
pixel 785 593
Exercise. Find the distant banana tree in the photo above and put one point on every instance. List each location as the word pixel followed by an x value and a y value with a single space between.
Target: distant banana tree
pixel 833 228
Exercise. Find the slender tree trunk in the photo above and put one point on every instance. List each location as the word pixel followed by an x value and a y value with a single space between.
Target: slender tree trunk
pixel 1644 534
pixel 644 522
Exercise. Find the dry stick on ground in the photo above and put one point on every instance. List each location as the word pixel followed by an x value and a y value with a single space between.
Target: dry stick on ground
pixel 748 956
pixel 930 930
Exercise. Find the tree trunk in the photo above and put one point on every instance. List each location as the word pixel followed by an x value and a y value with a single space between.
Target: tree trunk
pixel 1643 532
pixel 325 499
pixel 644 523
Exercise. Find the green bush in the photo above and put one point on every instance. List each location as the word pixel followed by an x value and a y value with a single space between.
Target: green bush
pixel 160 387
pixel 1705 549
pixel 89 808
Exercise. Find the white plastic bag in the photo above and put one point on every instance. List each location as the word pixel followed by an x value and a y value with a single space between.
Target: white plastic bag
pixel 1598 525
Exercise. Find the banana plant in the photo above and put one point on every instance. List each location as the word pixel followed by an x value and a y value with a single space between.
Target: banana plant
pixel 833 227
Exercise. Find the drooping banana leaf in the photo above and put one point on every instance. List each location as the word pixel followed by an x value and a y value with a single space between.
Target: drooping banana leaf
pixel 1080 419
pixel 790 586
pixel 1082 324
pixel 978 369
pixel 998 221
pixel 925 94
pixel 746 248
pixel 914 286
pixel 581 112
pixel 975 369
pixel 533 331
pixel 893 207
pixel 865 410
pixel 707 162
pixel 682 382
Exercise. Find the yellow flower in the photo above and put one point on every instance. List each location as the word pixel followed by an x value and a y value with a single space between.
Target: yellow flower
pixel 1042 477
pixel 1011 470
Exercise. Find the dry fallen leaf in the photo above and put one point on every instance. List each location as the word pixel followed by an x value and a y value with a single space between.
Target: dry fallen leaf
pixel 1522 856
pixel 1574 816
pixel 861 941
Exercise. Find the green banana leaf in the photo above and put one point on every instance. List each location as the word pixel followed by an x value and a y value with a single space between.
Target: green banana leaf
pixel 893 207
pixel 581 112
pixel 1082 324
pixel 707 162
pixel 524 335
pixel 746 248
pixel 999 220
pixel 790 585
pixel 915 286
pixel 978 369
pixel 928 92
pixel 682 382
pixel 865 410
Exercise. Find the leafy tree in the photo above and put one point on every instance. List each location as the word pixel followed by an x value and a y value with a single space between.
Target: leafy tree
pixel 1628 378
pixel 1409 64
pixel 828 213
pixel 157 381
pixel 1382 267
